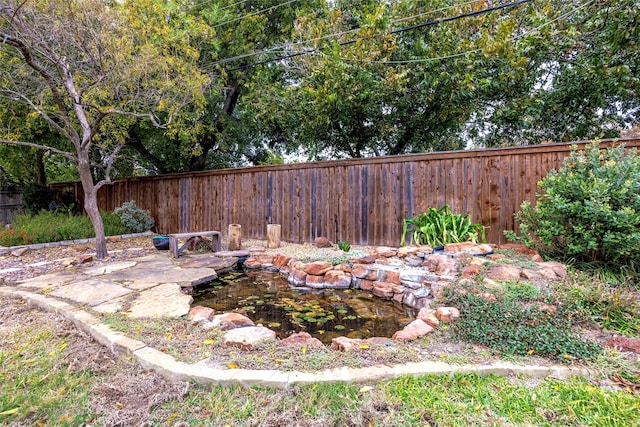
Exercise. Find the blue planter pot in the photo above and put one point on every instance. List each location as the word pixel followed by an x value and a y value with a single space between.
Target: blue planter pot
pixel 161 243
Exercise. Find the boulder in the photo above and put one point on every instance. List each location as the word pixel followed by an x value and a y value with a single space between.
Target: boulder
pixel 360 270
pixel 503 272
pixel 252 264
pixel 389 276
pixel 297 277
pixel 337 279
pixel 236 320
pixel 314 281
pixel 470 271
pixel 200 313
pixel 317 268
pixel 413 330
pixel 428 316
pixel 441 264
pixel 447 314
pixel 280 261
pixel 468 247
pixel 364 260
pixel 383 252
pixel 322 242
pixel 346 344
pixel 301 339
pixel 247 338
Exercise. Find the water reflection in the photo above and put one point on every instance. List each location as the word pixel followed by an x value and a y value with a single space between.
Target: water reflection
pixel 268 299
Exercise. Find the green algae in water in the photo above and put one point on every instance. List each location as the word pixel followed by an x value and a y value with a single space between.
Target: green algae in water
pixel 325 314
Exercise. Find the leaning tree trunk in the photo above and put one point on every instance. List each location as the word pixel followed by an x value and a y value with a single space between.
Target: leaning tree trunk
pixel 91 207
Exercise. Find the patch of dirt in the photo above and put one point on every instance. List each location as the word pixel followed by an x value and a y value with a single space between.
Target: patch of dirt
pixel 124 394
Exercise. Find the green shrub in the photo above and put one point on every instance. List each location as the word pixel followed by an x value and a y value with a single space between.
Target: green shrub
pixel 135 219
pixel 588 210
pixel 439 227
pixel 510 326
pixel 49 226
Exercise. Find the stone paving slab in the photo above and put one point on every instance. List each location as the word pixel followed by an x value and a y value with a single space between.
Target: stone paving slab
pixel 91 292
pixel 165 300
pixel 49 281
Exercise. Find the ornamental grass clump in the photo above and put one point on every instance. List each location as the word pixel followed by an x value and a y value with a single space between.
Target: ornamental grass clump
pixel 588 210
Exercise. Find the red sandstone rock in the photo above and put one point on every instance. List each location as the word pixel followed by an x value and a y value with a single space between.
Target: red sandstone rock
pixel 236 319
pixel 383 252
pixel 83 259
pixel 252 263
pixel 522 249
pixel 383 289
pixel 360 270
pixel 504 272
pixel 440 264
pixel 343 267
pixel 365 285
pixel 553 268
pixel 389 276
pixel 447 314
pixel 337 279
pixel 297 277
pixel 314 281
pixel 468 247
pixel 281 261
pixel 364 260
pixel 413 330
pixel 322 242
pixel 496 257
pixel 428 316
pixel 346 344
pixel 471 271
pixel 200 313
pixel 301 339
pixel 407 250
pixel 317 268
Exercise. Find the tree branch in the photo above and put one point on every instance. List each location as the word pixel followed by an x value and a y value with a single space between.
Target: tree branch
pixel 40 112
pixel 66 154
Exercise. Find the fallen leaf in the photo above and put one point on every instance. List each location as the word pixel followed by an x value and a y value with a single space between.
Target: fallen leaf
pixel 10 411
pixel 365 389
pixel 233 365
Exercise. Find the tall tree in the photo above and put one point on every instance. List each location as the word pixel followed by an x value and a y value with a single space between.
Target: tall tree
pixel 88 69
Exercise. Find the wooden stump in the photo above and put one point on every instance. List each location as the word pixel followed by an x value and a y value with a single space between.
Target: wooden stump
pixel 235 237
pixel 273 236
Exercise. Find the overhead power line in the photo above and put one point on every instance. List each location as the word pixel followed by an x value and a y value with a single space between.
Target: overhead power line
pixel 397 31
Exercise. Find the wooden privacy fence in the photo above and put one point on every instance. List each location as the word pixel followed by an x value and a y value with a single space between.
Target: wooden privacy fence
pixel 10 205
pixel 363 201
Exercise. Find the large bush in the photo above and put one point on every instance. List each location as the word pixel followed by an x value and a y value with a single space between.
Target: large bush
pixel 588 210
pixel 135 219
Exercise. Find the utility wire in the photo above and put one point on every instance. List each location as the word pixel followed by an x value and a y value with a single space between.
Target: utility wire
pixel 397 31
pixel 469 52
pixel 328 36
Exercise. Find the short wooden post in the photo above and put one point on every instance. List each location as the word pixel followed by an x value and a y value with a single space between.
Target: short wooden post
pixel 235 237
pixel 273 236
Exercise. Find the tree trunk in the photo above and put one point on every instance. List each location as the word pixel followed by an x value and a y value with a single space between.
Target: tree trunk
pixel 91 206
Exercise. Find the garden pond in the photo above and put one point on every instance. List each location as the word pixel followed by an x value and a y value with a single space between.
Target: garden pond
pixel 268 299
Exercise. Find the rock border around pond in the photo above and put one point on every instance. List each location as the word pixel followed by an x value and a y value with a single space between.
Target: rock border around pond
pixel 411 275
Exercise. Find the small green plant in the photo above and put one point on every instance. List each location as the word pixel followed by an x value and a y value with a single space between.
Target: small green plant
pixel 344 246
pixel 588 210
pixel 135 219
pixel 441 226
pixel 508 325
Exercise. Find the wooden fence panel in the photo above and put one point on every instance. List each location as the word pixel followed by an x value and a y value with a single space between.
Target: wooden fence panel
pixel 363 200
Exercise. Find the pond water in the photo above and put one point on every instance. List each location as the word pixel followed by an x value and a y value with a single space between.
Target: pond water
pixel 268 299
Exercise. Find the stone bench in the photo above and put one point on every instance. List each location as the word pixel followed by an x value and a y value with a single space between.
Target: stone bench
pixel 175 250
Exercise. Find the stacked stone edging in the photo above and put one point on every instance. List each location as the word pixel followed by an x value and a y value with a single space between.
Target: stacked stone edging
pixel 412 275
